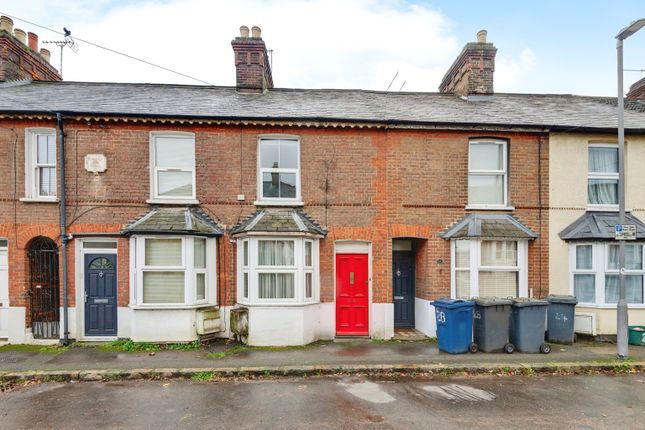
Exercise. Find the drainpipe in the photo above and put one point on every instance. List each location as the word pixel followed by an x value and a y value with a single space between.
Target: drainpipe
pixel 63 223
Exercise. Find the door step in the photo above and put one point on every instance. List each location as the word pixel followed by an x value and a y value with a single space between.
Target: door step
pixel 341 339
pixel 408 334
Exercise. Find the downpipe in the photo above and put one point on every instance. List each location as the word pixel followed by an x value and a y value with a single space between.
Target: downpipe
pixel 63 224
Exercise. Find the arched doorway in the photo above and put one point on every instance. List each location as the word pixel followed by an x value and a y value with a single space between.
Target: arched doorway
pixel 44 293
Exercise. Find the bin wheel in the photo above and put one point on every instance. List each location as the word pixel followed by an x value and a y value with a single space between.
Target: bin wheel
pixel 509 348
pixel 473 348
pixel 545 348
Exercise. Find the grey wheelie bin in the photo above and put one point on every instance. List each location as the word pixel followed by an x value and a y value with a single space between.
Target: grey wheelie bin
pixel 492 319
pixel 560 317
pixel 528 324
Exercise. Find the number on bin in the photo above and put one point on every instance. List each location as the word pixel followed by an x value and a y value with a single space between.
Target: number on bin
pixel 441 317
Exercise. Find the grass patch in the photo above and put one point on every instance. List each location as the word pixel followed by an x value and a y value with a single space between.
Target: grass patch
pixel 203 376
pixel 227 353
pixel 128 345
pixel 39 349
pixel 239 348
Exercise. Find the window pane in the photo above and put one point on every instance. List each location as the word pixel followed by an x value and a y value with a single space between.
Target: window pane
pixel 498 284
pixel 486 156
pixel 99 245
pixel 462 251
pixel 47 181
pixel 309 291
pixel 281 185
pixel 246 253
pixel 276 286
pixel 200 253
pixel 499 253
pixel 288 185
pixel 163 287
pixel 175 152
pixel 603 160
pixel 200 286
pixel 584 260
pixel 246 285
pixel 163 252
pixel 177 184
pixel 462 284
pixel 486 189
pixel 275 253
pixel 633 288
pixel 308 259
pixel 602 192
pixel 266 253
pixel 270 154
pixel 45 149
pixel 633 257
pixel 584 288
pixel 288 154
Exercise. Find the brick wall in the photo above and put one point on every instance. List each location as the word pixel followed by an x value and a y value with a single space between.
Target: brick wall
pixel 18 61
pixel 371 185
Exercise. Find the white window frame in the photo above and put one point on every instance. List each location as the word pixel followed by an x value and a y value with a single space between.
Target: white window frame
pixel 597 175
pixel 137 263
pixel 154 195
pixel 503 172
pixel 32 190
pixel 278 201
pixel 253 269
pixel 475 265
pixel 600 268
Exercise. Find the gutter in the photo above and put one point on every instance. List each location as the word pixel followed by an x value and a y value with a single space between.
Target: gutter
pixel 63 223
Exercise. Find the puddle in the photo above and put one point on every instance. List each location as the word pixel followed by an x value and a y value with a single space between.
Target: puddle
pixel 354 351
pixel 460 392
pixel 368 391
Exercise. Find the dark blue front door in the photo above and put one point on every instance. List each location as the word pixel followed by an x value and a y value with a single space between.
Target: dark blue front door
pixel 403 287
pixel 100 295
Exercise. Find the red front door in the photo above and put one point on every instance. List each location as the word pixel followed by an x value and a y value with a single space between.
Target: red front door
pixel 352 295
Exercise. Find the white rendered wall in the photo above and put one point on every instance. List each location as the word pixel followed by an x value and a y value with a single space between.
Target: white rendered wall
pixel 163 325
pixel 290 325
pixel 17 329
pixel 424 317
pixel 382 321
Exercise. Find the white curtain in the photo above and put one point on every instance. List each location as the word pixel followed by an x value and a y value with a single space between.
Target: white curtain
pixel 163 252
pixel 486 156
pixel 200 286
pixel 498 284
pixel 485 189
pixel 163 287
pixel 276 286
pixel 633 257
pixel 603 191
pixel 499 253
pixel 603 160
pixel 584 259
pixel 200 253
pixel 584 288
pixel 275 253
pixel 633 288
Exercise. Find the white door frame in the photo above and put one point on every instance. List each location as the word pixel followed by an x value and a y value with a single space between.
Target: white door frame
pixel 356 247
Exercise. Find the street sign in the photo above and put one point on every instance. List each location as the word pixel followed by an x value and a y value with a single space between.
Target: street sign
pixel 625 231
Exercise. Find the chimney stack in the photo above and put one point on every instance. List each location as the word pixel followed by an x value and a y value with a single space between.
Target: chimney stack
pixel 33 41
pixel 473 70
pixel 637 90
pixel 252 68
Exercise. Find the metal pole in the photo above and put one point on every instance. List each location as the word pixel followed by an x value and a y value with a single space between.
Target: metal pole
pixel 621 309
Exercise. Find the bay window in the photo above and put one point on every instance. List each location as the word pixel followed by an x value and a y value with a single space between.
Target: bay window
pixel 172 271
pixel 277 270
pixel 487 173
pixel 595 274
pixel 489 268
pixel 602 182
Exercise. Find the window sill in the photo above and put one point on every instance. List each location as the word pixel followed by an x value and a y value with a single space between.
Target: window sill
pixel 288 203
pixel 170 307
pixel 610 307
pixel 604 208
pixel 277 305
pixel 39 200
pixel 490 207
pixel 172 202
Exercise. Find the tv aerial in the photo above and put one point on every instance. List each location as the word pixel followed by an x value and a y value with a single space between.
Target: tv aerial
pixel 67 41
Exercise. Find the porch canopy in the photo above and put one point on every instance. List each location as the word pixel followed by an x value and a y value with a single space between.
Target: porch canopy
pixel 174 220
pixel 489 226
pixel 599 226
pixel 279 220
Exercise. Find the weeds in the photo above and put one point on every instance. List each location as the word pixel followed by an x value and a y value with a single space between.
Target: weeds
pixel 40 349
pixel 203 376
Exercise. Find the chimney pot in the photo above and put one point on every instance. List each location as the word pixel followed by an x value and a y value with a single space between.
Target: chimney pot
pixel 256 32
pixel 244 31
pixel 20 35
pixel 6 24
pixel 33 41
pixel 481 36
pixel 46 54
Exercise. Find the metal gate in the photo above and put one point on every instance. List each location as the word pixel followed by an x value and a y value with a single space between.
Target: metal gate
pixel 43 288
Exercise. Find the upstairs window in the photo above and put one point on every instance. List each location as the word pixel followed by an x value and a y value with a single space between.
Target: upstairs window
pixel 40 164
pixel 172 159
pixel 279 170
pixel 602 183
pixel 487 173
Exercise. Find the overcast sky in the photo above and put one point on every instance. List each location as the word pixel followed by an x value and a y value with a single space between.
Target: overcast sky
pixel 546 46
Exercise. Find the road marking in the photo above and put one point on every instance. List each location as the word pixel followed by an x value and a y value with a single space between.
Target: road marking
pixel 368 391
pixel 460 392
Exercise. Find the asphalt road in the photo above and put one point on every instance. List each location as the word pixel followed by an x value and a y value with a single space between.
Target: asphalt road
pixel 337 403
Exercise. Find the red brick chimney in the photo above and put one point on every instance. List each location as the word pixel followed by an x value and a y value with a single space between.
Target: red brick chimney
pixel 252 68
pixel 637 90
pixel 21 61
pixel 472 72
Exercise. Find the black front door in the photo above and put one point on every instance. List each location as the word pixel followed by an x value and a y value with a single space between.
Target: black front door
pixel 100 295
pixel 403 287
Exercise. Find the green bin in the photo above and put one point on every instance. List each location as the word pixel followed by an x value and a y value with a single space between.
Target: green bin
pixel 637 335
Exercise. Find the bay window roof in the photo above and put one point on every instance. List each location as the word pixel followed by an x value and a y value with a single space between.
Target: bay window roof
pixel 177 220
pixel 599 226
pixel 279 221
pixel 493 226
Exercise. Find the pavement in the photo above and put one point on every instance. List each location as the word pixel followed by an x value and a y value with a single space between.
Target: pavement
pixel 108 361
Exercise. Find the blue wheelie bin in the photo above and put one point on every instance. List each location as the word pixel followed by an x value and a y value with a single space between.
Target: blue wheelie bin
pixel 455 325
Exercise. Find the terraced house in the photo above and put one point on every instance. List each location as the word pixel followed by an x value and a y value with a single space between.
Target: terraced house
pixel 168 212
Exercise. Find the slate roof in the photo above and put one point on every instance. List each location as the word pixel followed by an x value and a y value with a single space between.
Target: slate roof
pixel 183 220
pixel 489 226
pixel 279 220
pixel 563 112
pixel 599 226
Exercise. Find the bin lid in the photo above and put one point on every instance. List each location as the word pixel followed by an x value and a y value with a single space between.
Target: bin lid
pixel 562 298
pixel 492 301
pixel 452 303
pixel 520 302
